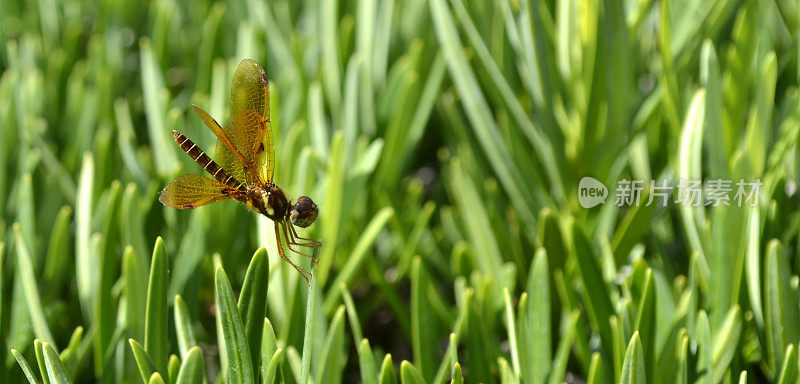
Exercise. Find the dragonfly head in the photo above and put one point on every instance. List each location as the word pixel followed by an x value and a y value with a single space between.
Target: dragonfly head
pixel 303 212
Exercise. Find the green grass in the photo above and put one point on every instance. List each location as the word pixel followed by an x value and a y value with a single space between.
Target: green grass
pixel 444 140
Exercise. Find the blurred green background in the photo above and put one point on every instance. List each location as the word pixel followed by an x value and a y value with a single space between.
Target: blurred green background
pixel 444 141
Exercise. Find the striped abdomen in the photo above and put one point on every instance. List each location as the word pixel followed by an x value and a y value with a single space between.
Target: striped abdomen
pixel 209 165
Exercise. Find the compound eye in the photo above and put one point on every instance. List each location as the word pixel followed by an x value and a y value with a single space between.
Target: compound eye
pixel 304 212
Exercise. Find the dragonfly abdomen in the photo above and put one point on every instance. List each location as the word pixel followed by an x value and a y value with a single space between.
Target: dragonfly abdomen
pixel 200 157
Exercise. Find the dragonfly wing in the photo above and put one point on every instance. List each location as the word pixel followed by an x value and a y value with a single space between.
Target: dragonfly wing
pixel 227 154
pixel 250 125
pixel 191 191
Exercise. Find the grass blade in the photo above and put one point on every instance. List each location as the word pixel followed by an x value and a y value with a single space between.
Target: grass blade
pixel 23 364
pixel 155 328
pixel 633 365
pixel 34 301
pixel 55 368
pixel 239 368
pixel 192 370
pixel 308 336
pixel 253 303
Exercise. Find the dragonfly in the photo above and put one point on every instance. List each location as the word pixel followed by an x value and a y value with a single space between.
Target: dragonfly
pixel 244 167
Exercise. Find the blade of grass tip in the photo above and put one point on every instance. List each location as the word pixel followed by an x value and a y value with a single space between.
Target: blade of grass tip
pixel 681 355
pixel 457 378
pixel 105 305
pixel 387 375
pixel 30 287
pixel 646 321
pixel 511 329
pixel 333 358
pixel 743 377
pixel 753 266
pixel 360 251
pixel 192 370
pixel 269 345
pixel 595 375
pixel 40 360
pixel 271 375
pixel 183 328
pixel 57 261
pixel 70 354
pixel 173 367
pixel 633 365
pixel 450 357
pixel 156 379
pixel 155 101
pixel 55 368
pixel 539 342
pixel 704 350
pixel 308 336
pixel 239 368
pixel 253 303
pixel 726 341
pixel 409 374
pixel 366 363
pixel 23 364
pixel 507 375
pixel 85 261
pixel 452 346
pixel 155 328
pixel 143 360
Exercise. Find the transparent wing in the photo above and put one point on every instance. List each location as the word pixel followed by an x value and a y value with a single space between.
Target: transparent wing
pixel 250 126
pixel 227 153
pixel 191 191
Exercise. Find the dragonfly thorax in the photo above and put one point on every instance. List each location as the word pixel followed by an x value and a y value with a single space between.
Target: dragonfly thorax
pixel 270 202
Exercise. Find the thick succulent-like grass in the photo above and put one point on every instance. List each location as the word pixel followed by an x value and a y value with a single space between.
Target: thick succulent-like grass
pixel 445 140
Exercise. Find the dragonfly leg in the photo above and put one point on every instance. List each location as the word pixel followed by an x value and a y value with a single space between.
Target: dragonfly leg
pixel 306 275
pixel 290 243
pixel 302 241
